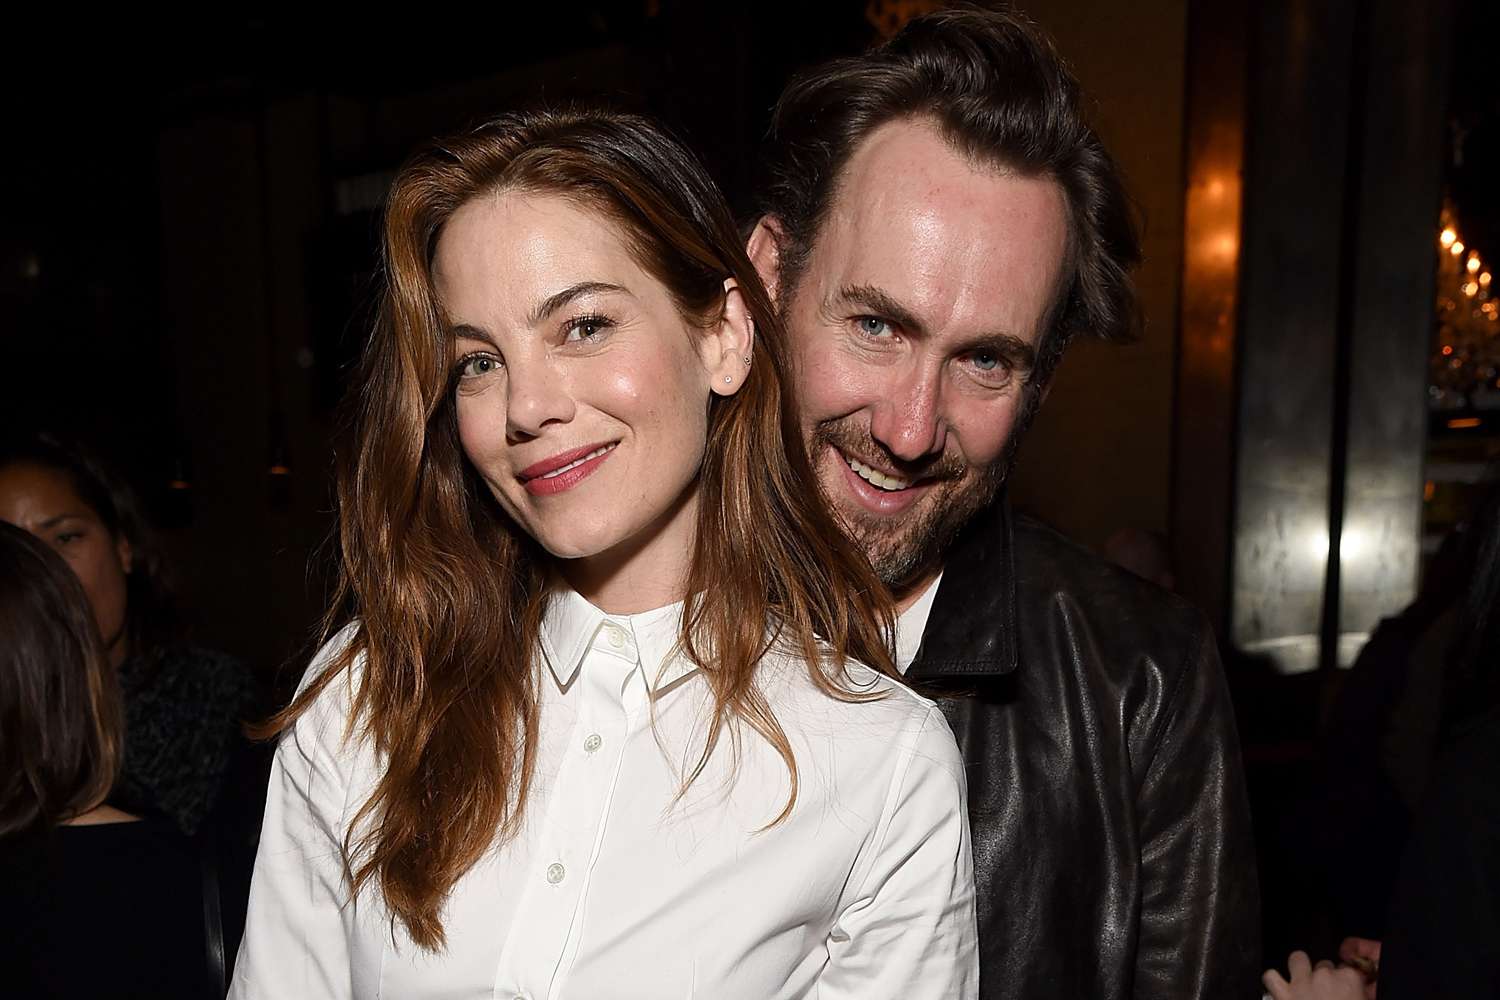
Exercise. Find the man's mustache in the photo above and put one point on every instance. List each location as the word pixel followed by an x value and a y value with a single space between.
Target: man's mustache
pixel 856 441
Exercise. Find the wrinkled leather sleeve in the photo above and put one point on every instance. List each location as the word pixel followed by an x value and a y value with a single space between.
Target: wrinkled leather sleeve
pixel 1200 912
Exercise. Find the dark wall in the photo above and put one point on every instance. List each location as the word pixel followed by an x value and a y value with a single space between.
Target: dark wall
pixel 188 248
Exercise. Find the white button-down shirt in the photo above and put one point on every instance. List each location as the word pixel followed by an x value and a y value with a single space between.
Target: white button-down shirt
pixel 616 888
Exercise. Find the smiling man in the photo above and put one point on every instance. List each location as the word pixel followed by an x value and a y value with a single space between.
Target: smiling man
pixel 941 221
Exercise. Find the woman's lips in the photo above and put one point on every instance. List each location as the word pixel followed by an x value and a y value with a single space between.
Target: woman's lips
pixel 563 471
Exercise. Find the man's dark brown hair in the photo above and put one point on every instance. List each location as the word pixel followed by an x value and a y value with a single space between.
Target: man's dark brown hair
pixel 1001 95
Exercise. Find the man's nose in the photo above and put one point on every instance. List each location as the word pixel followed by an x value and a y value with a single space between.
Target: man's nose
pixel 909 421
pixel 536 395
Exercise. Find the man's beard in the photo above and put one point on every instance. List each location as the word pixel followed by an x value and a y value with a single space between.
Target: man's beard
pixel 901 549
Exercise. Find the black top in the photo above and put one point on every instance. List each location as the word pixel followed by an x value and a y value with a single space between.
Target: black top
pixel 184 707
pixel 1444 937
pixel 113 910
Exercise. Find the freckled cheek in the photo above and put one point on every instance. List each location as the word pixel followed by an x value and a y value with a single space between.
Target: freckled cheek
pixel 832 383
pixel 667 411
pixel 481 431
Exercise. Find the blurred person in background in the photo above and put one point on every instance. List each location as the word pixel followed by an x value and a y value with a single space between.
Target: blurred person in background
pixel 94 901
pixel 1442 930
pixel 184 756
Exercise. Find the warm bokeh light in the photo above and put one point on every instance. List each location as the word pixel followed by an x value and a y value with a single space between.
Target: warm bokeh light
pixel 1456 249
pixel 1448 237
pixel 1484 279
pixel 1473 264
pixel 1463 423
pixel 1471 289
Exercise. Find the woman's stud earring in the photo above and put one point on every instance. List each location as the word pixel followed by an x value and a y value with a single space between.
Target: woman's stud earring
pixel 728 379
pixel 747 361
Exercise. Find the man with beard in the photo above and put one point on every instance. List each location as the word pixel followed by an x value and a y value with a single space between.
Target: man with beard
pixel 940 222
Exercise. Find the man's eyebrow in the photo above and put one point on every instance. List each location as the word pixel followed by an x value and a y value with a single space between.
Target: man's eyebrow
pixel 880 304
pixel 553 303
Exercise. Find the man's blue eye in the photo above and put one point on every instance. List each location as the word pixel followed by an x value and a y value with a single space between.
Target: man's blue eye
pixel 872 326
pixel 985 361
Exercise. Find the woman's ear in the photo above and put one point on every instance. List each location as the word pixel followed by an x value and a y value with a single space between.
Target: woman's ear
pixel 728 346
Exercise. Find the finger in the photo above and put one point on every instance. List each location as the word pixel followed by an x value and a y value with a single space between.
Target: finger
pixel 1299 965
pixel 1279 988
pixel 1325 964
pixel 1357 947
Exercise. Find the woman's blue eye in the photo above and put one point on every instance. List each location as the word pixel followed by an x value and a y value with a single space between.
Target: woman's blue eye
pixel 477 364
pixel 873 326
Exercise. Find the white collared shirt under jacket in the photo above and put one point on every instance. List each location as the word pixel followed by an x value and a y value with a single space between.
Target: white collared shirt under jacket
pixel 614 890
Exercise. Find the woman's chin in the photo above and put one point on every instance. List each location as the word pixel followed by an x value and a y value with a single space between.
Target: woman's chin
pixel 575 546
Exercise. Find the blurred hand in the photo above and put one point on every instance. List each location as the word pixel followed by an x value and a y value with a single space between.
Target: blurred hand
pixel 1364 955
pixel 1309 982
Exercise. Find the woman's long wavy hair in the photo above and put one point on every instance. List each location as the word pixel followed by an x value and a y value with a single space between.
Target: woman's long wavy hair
pixel 447 594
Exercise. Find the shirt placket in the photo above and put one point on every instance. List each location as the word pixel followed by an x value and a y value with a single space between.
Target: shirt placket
pixel 535 960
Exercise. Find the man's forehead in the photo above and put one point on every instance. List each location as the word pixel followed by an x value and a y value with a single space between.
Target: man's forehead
pixel 928 225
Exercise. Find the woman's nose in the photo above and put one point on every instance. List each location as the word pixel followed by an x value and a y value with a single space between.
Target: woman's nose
pixel 537 395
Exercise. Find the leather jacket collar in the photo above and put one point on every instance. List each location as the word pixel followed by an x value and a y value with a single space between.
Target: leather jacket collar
pixel 972 629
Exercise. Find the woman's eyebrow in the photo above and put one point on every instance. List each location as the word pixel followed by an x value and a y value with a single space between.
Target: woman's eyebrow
pixel 553 303
pixel 57 519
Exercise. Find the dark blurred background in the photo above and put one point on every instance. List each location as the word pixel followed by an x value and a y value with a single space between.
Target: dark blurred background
pixel 192 204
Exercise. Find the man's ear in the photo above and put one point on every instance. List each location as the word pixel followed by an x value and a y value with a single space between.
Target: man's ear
pixel 764 248
pixel 728 346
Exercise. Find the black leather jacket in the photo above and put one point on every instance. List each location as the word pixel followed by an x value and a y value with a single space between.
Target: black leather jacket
pixel 1112 841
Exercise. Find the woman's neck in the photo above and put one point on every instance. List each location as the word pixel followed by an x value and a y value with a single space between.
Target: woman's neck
pixel 642 573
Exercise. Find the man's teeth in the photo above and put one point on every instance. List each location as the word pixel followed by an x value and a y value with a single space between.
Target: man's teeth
pixel 875 477
pixel 573 465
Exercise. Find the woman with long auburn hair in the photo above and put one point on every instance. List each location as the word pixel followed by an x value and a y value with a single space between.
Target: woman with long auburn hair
pixel 606 705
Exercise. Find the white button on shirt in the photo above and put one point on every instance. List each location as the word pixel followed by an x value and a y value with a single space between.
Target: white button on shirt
pixel 616 888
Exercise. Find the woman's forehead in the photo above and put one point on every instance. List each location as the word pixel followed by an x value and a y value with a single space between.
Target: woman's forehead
pixel 501 257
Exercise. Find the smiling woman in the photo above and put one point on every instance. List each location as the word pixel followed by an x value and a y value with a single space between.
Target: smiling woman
pixel 607 706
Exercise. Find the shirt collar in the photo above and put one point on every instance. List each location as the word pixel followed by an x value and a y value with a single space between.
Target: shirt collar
pixel 571 626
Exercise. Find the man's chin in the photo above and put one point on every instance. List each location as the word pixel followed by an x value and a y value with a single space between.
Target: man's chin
pixel 900 551
pixel 905 549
